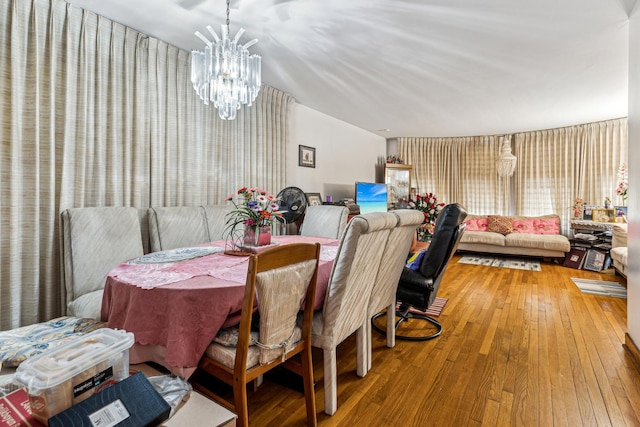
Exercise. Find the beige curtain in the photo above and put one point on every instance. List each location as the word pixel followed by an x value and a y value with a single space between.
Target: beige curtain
pixel 557 166
pixel 458 170
pixel 93 113
pixel 553 168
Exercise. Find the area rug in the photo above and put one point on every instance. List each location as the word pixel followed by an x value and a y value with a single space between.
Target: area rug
pixel 434 310
pixel 492 261
pixel 601 287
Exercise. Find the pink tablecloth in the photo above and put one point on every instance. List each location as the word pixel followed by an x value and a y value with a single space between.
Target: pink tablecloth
pixel 173 323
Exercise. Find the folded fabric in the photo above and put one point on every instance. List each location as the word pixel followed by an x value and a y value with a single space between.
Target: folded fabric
pixel 415 260
pixel 17 345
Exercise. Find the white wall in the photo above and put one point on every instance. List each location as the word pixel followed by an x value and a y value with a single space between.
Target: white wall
pixel 344 154
pixel 633 275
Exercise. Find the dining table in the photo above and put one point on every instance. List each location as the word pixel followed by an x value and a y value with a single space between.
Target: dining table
pixel 176 301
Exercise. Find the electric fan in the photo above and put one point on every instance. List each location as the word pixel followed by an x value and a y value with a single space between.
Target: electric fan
pixel 292 203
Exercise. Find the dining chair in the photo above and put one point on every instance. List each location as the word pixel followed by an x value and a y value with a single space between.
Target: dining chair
pixel 94 241
pixel 325 221
pixel 394 259
pixel 177 227
pixel 217 220
pixel 347 300
pixel 282 280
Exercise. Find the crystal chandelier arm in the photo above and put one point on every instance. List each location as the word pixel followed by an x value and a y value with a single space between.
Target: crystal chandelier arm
pixel 248 44
pixel 213 34
pixel 203 38
pixel 238 35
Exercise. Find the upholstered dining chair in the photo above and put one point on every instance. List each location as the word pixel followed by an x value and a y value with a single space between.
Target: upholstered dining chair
pixel 325 221
pixel 347 300
pixel 281 279
pixel 94 241
pixel 394 257
pixel 177 227
pixel 418 289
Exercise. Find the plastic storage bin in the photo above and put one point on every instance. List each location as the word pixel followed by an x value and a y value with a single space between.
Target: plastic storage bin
pixel 57 379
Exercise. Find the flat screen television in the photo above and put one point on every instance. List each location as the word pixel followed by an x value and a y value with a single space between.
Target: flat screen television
pixel 371 197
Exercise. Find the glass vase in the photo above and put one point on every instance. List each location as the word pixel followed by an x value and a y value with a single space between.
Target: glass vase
pixel 257 235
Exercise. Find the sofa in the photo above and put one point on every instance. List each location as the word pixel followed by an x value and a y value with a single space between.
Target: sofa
pixel 536 236
pixel 619 248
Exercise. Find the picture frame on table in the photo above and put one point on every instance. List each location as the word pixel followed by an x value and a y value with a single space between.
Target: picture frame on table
pixel 587 212
pixel 621 213
pixel 314 199
pixel 604 215
pixel 306 156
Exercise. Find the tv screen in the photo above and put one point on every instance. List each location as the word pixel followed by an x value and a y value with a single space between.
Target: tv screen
pixel 371 197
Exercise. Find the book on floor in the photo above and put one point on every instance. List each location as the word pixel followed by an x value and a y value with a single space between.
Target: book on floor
pixel 575 257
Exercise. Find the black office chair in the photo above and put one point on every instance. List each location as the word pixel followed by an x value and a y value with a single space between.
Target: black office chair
pixel 418 289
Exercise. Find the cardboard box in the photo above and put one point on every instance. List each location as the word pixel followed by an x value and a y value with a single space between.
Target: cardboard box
pixel 132 402
pixel 15 410
pixel 57 379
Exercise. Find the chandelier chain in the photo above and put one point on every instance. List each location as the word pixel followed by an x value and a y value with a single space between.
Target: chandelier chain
pixel 228 1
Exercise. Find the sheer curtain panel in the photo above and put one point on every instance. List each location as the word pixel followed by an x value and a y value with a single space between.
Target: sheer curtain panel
pixel 553 168
pixel 459 170
pixel 93 113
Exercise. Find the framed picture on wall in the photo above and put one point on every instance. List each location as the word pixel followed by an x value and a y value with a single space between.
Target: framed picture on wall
pixel 306 156
pixel 314 199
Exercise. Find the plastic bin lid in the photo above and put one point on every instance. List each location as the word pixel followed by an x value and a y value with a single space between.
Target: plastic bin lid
pixel 53 367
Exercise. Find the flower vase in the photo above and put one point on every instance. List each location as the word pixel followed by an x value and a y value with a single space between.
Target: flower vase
pixel 257 235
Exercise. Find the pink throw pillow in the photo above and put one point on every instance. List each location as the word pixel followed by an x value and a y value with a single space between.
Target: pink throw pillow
pixel 547 226
pixel 523 226
pixel 476 224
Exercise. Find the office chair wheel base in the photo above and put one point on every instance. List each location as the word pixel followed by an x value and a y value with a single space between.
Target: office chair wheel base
pixel 405 316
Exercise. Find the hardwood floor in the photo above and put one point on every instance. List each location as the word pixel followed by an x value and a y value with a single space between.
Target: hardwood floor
pixel 519 348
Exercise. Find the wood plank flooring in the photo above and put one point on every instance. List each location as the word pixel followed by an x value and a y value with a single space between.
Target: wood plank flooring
pixel 519 348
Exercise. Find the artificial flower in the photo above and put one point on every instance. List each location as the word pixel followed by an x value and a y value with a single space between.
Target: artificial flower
pixel 252 207
pixel 430 207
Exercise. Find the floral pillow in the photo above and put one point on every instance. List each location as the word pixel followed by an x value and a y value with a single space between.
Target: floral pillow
pixel 523 226
pixel 547 226
pixel 500 224
pixel 476 224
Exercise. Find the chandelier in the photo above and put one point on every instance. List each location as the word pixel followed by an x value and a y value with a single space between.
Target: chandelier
pixel 225 74
pixel 506 163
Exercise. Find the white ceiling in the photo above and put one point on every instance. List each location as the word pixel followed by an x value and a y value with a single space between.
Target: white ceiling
pixel 421 67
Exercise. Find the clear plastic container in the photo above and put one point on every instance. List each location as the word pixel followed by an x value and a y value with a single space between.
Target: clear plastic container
pixel 57 379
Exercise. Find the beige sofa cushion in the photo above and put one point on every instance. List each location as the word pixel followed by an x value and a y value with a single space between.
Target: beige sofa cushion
pixel 484 237
pixel 619 236
pixel 553 242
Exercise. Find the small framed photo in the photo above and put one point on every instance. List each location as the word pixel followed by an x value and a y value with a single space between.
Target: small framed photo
pixel 587 212
pixel 306 156
pixel 314 199
pixel 621 213
pixel 604 215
